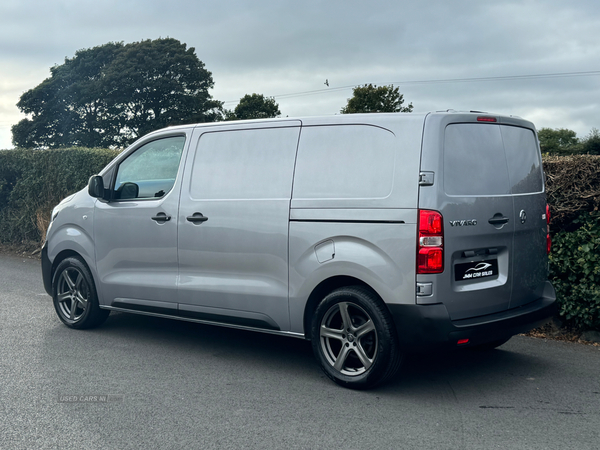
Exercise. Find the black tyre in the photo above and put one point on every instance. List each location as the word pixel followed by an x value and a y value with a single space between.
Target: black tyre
pixel 74 295
pixel 354 338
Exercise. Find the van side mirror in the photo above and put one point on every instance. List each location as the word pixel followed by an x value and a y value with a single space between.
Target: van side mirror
pixel 96 187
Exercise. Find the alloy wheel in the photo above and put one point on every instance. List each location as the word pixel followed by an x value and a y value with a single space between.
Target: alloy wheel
pixel 348 339
pixel 72 294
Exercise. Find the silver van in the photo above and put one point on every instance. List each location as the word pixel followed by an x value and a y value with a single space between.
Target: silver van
pixel 371 235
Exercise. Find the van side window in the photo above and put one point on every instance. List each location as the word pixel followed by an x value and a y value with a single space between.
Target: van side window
pixel 150 171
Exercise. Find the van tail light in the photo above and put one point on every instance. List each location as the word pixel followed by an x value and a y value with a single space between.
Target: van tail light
pixel 430 247
pixel 548 239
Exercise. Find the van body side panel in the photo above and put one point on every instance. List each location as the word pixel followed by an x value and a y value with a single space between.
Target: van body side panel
pixel 374 253
pixel 355 192
pixel 235 264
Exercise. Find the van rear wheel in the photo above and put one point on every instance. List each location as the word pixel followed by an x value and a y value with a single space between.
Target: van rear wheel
pixel 354 338
pixel 74 295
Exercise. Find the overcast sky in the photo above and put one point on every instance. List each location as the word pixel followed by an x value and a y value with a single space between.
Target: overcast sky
pixel 535 59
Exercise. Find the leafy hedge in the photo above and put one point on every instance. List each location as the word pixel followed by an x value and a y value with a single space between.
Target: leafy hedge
pixel 32 182
pixel 573 191
pixel 575 272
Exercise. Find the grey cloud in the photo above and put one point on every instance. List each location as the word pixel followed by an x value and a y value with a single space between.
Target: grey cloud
pixel 279 47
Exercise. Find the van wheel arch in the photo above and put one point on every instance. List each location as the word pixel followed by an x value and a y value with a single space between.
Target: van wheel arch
pixel 322 290
pixel 71 254
pixel 64 255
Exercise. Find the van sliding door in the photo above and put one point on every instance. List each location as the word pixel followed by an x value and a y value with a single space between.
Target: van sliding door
pixel 233 225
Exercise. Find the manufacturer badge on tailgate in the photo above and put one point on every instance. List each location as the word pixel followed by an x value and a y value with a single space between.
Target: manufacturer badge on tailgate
pixel 476 270
pixel 463 223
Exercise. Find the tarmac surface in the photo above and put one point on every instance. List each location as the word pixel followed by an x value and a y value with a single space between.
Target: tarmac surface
pixel 144 382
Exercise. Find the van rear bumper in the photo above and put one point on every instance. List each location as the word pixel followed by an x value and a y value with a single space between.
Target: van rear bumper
pixel 422 327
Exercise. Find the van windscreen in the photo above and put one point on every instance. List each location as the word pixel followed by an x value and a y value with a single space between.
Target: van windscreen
pixel 485 159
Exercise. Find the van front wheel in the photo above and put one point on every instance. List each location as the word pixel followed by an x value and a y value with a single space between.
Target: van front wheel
pixel 74 295
pixel 354 338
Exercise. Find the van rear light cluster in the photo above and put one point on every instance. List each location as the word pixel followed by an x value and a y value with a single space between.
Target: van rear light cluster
pixel 548 239
pixel 430 248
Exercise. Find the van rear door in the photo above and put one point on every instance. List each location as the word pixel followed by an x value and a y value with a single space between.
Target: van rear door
pixel 530 257
pixel 488 188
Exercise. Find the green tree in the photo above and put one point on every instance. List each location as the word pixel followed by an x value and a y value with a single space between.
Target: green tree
pixel 160 83
pixel 112 94
pixel 255 106
pixel 591 143
pixel 370 98
pixel 70 107
pixel 560 141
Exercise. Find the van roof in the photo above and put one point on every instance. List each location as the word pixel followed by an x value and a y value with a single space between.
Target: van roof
pixel 362 118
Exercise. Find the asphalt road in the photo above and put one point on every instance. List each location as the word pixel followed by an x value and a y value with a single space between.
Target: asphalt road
pixel 143 382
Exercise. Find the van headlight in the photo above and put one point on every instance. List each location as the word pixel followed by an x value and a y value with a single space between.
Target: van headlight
pixel 58 207
pixel 55 212
pixel 66 199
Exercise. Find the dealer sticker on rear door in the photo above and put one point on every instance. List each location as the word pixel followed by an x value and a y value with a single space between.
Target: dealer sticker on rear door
pixel 476 270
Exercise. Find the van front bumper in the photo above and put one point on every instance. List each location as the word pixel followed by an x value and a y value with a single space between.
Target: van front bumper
pixel 46 269
pixel 422 327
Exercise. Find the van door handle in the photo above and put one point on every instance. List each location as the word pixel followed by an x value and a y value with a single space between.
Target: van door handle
pixel 161 217
pixel 498 219
pixel 197 218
